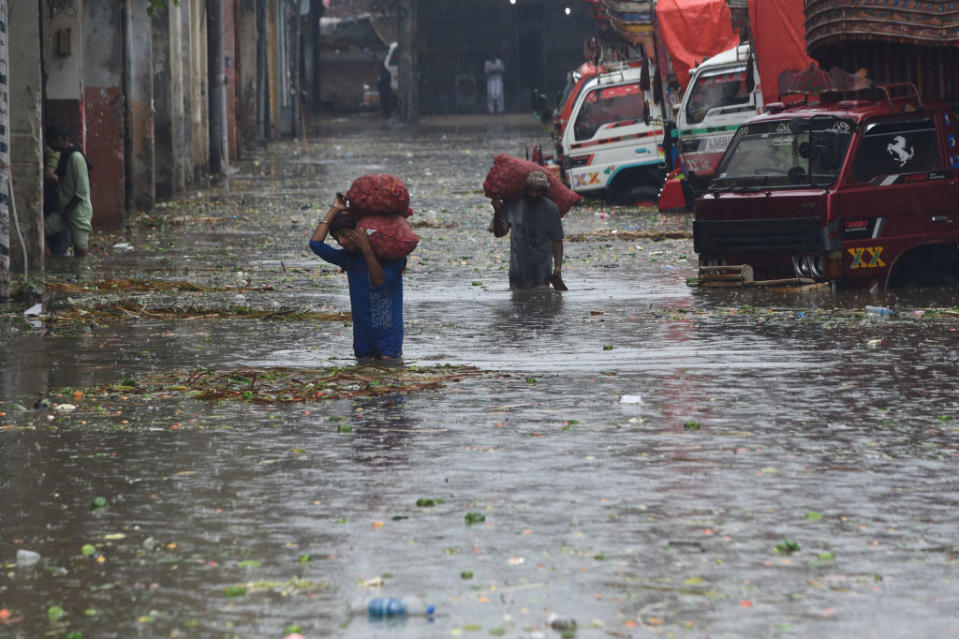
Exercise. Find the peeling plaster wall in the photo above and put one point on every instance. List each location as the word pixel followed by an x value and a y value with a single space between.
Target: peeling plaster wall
pixel 172 71
pixel 230 75
pixel 199 107
pixel 5 209
pixel 284 66
pixel 64 69
pixel 163 101
pixel 25 135
pixel 273 48
pixel 141 110
pixel 105 121
pixel 246 66
pixel 183 79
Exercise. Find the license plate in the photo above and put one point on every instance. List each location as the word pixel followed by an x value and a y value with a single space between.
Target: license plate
pixel 718 142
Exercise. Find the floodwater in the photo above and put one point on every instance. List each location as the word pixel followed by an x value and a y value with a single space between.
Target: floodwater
pixel 639 448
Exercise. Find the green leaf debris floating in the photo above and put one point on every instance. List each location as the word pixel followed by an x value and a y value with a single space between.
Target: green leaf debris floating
pixel 289 385
pixel 125 311
pixel 787 546
pixel 475 518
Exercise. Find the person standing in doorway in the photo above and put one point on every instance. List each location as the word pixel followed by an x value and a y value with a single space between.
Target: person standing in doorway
pixel 74 214
pixel 536 236
pixel 386 92
pixel 494 70
pixel 58 243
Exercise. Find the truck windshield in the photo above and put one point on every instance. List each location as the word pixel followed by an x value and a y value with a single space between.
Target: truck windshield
pixel 608 105
pixel 715 91
pixel 785 153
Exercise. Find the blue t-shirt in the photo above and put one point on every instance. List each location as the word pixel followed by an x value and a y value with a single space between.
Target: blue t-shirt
pixel 377 310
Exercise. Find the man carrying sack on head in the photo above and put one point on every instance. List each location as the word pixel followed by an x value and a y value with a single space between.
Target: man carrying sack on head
pixel 536 240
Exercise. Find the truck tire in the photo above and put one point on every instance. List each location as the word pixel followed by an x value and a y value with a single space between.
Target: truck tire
pixel 636 185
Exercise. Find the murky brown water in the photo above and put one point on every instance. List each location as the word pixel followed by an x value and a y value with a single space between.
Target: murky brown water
pixel 640 452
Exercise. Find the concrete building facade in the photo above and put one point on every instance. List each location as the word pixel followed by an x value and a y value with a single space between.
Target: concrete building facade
pixel 132 88
pixel 104 108
pixel 6 188
pixel 20 139
pixel 140 111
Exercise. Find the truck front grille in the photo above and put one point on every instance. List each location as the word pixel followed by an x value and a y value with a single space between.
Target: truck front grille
pixel 788 235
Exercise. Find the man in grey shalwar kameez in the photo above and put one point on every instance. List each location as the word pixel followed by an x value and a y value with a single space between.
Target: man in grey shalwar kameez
pixel 536 236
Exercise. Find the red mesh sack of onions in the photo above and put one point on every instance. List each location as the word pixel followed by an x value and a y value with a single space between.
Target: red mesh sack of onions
pixel 392 236
pixel 507 178
pixel 379 194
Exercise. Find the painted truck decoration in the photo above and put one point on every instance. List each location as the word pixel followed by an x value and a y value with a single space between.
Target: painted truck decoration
pixel 614 139
pixel 858 190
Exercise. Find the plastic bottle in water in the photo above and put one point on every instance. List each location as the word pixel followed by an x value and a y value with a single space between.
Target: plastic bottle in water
pixel 384 607
pixel 27 558
pixel 879 310
pixel 561 624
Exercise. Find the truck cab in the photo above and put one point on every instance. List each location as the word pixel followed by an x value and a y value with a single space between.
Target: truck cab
pixel 717 100
pixel 860 188
pixel 575 80
pixel 613 143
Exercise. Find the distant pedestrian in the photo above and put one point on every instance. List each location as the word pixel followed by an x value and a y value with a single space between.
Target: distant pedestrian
pixel 536 236
pixel 376 289
pixel 494 70
pixel 386 92
pixel 72 221
pixel 57 243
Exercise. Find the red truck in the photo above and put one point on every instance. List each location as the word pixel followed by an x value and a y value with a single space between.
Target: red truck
pixel 860 187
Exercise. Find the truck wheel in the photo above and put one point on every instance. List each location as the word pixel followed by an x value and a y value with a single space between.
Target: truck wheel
pixel 636 186
pixel 629 196
pixel 929 265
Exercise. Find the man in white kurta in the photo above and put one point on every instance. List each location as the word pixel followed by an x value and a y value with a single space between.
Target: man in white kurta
pixel 494 70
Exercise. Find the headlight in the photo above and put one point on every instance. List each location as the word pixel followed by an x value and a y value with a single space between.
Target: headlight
pixel 712 261
pixel 817 266
pixel 811 266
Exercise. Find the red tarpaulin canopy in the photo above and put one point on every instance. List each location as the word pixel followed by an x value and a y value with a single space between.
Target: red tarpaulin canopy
pixel 694 30
pixel 779 41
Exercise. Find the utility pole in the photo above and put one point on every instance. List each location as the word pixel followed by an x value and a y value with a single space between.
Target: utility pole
pixel 215 82
pixel 316 13
pixel 296 48
pixel 6 188
pixel 262 72
pixel 129 201
pixel 409 73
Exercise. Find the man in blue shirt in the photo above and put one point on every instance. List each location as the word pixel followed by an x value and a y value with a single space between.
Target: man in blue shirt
pixel 376 290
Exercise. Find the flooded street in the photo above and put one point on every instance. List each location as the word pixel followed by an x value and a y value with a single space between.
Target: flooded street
pixel 642 456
